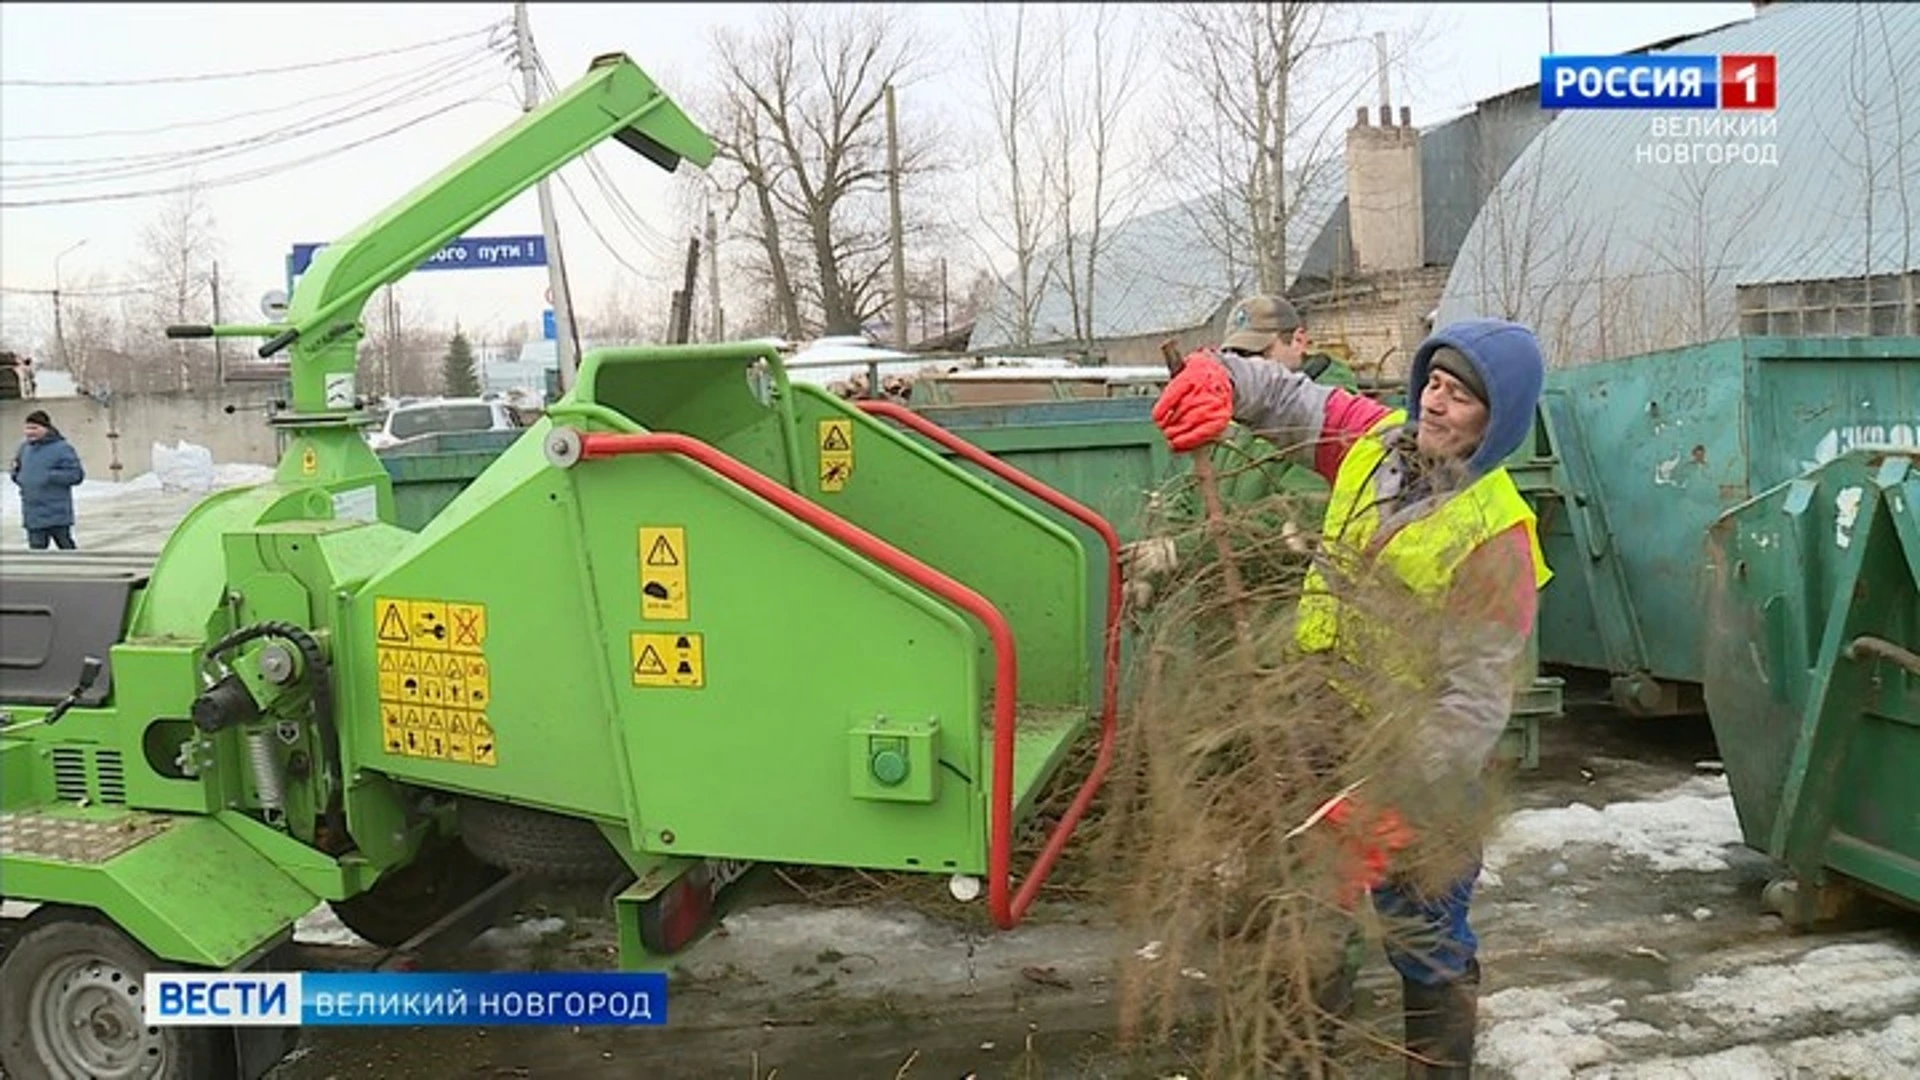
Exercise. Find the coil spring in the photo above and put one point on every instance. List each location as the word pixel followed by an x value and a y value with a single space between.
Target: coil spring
pixel 266 774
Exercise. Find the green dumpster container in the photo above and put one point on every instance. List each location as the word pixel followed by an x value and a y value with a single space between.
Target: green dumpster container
pixel 1813 678
pixel 1636 457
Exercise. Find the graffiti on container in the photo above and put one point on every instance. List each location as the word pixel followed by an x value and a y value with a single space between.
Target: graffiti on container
pixel 1839 440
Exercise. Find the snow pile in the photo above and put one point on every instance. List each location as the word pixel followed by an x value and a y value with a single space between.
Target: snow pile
pixel 1849 982
pixel 1893 1050
pixel 1776 1010
pixel 1687 828
pixel 322 927
pixel 183 467
pixel 1544 1034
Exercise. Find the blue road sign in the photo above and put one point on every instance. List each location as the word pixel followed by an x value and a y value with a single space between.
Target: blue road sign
pixel 547 328
pixel 466 253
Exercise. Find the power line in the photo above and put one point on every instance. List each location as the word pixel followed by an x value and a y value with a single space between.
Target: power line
pixel 595 229
pixel 250 72
pixel 364 92
pixel 248 177
pixel 648 238
pixel 148 164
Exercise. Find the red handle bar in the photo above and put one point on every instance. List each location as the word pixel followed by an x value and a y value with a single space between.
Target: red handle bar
pixel 1008 912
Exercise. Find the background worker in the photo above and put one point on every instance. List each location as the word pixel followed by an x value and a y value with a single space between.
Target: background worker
pixel 1422 496
pixel 1249 467
pixel 46 469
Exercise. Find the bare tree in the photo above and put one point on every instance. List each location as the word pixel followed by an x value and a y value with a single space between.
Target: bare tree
pixel 401 353
pixel 1710 209
pixel 624 315
pixel 178 249
pixel 808 132
pixel 1094 90
pixel 1260 126
pixel 1019 214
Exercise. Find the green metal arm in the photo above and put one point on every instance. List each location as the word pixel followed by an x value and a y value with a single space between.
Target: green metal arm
pixel 615 99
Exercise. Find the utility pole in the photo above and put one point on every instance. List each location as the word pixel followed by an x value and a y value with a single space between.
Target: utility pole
pixel 945 329
pixel 219 354
pixel 682 328
pixel 899 246
pixel 566 345
pixel 59 334
pixel 717 321
pixel 393 323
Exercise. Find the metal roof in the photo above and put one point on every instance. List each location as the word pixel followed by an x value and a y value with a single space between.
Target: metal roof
pixel 1606 254
pixel 1158 272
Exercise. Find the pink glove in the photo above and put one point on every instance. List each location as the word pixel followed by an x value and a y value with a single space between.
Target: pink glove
pixel 1197 404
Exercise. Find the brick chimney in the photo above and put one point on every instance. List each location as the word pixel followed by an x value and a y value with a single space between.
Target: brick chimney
pixel 1384 210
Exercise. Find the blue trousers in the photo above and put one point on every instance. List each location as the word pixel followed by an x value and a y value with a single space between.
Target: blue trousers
pixel 1428 939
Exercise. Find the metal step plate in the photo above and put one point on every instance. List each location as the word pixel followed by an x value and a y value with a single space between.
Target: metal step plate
pixel 81 841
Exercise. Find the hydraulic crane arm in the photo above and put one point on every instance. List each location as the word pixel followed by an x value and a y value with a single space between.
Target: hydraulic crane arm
pixel 615 99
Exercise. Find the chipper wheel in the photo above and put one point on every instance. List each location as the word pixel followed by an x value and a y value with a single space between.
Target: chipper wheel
pixel 416 896
pixel 71 1006
pixel 538 843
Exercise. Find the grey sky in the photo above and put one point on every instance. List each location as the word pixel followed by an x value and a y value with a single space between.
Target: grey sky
pixel 1470 51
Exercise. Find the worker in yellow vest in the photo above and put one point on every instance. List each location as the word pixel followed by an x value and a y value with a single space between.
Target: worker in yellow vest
pixel 1421 497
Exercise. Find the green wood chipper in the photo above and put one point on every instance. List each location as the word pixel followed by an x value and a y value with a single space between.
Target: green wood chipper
pixel 696 617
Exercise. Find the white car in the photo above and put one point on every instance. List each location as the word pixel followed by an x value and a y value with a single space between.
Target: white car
pixel 419 419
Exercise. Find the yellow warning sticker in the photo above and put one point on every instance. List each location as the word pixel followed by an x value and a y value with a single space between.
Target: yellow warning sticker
pixel 429 624
pixel 467 625
pixel 434 686
pixel 414 732
pixel 836 454
pixel 391 618
pixel 392 732
pixel 481 740
pixel 309 461
pixel 669 660
pixel 473 672
pixel 663 572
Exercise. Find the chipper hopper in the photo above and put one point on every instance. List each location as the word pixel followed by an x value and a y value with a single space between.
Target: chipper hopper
pixel 696 617
pixel 1813 678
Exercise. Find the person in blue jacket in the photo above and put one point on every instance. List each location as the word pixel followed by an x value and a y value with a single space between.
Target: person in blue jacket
pixel 46 469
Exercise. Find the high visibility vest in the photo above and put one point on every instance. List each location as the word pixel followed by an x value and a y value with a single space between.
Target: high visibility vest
pixel 1421 556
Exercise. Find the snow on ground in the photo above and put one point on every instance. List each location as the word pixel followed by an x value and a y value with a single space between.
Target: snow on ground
pixel 1742 1020
pixel 322 927
pixel 1687 828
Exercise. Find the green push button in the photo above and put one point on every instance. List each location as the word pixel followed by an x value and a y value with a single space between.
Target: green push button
pixel 890 766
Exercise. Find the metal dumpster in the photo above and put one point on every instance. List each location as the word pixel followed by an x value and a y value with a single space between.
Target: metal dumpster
pixel 1812 667
pixel 1635 458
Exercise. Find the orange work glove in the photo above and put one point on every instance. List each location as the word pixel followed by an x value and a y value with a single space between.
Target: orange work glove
pixel 1197 404
pixel 1369 840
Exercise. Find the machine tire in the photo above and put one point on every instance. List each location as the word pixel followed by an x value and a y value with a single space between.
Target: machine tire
pixel 538 843
pixel 416 896
pixel 69 962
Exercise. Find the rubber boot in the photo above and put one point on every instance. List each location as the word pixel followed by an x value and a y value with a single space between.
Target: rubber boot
pixel 1334 995
pixel 1440 1026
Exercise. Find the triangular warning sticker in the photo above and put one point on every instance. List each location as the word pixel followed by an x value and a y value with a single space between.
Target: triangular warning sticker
pixel 649 663
pixel 456 722
pixel 662 553
pixel 835 438
pixel 386 660
pixel 410 662
pixel 393 626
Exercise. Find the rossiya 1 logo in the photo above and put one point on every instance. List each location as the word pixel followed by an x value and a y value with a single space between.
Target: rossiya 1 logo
pixel 1727 81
